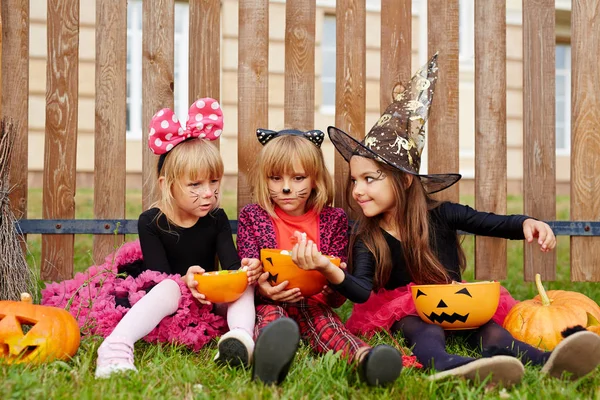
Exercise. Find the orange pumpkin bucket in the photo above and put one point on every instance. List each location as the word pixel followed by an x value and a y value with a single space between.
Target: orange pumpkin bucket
pixel 457 305
pixel 34 334
pixel 222 286
pixel 279 265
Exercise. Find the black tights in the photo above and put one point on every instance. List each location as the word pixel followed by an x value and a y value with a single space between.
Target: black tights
pixel 429 343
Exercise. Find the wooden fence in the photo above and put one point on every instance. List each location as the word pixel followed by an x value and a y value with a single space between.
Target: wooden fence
pixel 204 55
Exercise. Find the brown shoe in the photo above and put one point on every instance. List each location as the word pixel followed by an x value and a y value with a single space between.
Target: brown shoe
pixel 504 370
pixel 577 354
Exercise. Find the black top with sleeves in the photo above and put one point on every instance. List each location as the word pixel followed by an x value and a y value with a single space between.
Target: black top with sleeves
pixel 445 220
pixel 171 249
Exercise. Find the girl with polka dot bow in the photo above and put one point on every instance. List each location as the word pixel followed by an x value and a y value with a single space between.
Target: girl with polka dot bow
pixel 180 235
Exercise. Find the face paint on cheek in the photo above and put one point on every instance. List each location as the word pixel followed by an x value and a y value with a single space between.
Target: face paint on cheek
pixel 303 193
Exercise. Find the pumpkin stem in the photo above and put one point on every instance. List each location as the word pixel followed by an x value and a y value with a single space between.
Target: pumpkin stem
pixel 544 296
pixel 591 320
pixel 26 298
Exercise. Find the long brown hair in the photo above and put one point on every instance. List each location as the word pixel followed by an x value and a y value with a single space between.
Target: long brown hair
pixel 413 225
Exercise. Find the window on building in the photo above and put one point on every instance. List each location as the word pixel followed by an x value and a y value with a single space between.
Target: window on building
pixel 135 125
pixel 466 33
pixel 328 71
pixel 563 98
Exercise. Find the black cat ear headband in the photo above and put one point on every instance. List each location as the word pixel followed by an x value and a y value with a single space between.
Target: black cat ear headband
pixel 265 135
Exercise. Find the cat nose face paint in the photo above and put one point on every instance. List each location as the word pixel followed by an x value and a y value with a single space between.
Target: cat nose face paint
pixel 286 191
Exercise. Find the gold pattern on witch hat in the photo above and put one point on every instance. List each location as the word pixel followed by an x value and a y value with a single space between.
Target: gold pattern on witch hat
pixel 398 137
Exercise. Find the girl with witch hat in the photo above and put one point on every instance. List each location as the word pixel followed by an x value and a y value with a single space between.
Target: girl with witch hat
pixel 404 237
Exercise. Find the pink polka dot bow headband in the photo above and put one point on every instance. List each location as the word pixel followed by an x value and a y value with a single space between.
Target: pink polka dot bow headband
pixel 205 121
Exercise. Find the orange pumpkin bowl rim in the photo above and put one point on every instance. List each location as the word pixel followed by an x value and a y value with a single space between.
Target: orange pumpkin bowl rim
pixel 455 284
pixel 279 252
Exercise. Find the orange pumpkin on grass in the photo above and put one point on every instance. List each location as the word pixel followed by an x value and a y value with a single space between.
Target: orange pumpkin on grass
pixel 34 333
pixel 222 286
pixel 541 320
pixel 279 265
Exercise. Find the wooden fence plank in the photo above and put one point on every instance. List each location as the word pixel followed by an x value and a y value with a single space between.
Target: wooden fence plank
pixel 158 35
pixel 585 136
pixel 1 57
pixel 111 119
pixel 442 132
pixel 396 49
pixel 61 134
pixel 15 93
pixel 205 44
pixel 253 88
pixel 299 98
pixel 539 135
pixel 490 131
pixel 350 86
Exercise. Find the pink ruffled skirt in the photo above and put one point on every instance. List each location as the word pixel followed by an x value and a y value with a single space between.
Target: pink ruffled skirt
pixel 385 307
pixel 99 297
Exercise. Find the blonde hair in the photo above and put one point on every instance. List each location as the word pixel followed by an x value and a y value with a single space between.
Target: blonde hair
pixel 193 159
pixel 277 157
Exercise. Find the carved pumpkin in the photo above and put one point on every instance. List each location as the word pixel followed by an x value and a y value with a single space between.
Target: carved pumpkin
pixel 457 305
pixel 222 286
pixel 281 268
pixel 35 334
pixel 541 320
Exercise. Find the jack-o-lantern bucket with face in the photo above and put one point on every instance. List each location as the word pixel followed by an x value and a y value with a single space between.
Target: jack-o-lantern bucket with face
pixel 35 334
pixel 457 305
pixel 222 286
pixel 279 265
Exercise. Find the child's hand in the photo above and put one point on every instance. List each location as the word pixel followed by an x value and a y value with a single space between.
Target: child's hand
pixel 277 293
pixel 538 229
pixel 253 268
pixel 327 291
pixel 306 255
pixel 192 284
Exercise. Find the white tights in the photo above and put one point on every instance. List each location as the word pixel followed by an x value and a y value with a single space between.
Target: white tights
pixel 163 300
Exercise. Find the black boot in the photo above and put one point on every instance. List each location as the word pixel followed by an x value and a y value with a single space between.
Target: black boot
pixel 274 351
pixel 381 365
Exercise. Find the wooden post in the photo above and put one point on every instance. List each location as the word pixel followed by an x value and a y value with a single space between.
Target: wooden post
pixel 396 49
pixel 490 131
pixel 158 25
pixel 15 93
pixel 585 136
pixel 205 44
pixel 539 134
pixel 299 108
pixel 442 131
pixel 253 87
pixel 111 119
pixel 60 150
pixel 350 87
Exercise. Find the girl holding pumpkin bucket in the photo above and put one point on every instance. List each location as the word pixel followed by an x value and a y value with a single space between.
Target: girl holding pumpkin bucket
pixel 293 192
pixel 181 234
pixel 404 236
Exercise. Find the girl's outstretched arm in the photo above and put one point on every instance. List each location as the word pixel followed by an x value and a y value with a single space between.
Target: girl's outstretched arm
pixel 533 228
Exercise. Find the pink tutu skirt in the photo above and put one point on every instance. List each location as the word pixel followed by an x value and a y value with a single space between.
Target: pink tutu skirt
pixel 99 297
pixel 388 306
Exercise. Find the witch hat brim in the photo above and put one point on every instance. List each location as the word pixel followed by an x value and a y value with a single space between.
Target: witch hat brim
pixel 347 146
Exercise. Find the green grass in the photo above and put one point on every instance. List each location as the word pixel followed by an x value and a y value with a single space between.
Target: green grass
pixel 168 371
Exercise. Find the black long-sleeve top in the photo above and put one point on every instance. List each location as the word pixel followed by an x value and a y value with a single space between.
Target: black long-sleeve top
pixel 171 249
pixel 445 220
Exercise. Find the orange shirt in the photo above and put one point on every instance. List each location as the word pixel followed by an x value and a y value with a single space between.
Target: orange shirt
pixel 286 225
